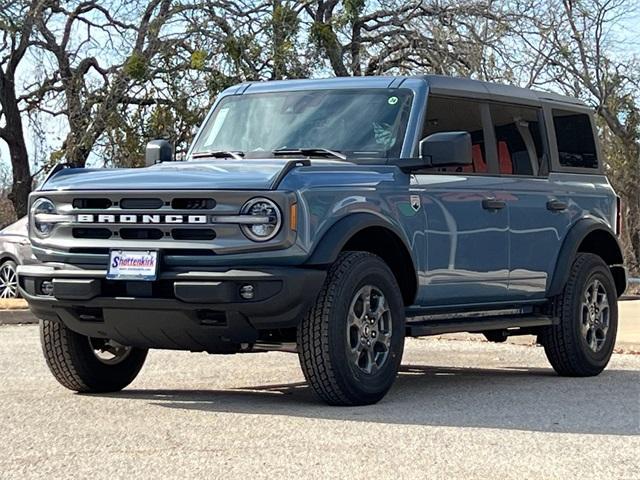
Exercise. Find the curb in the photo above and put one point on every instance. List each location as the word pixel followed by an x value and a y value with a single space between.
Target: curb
pixel 16 317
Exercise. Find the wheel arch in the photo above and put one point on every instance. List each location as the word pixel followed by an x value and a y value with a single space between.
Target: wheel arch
pixel 6 256
pixel 370 233
pixel 589 236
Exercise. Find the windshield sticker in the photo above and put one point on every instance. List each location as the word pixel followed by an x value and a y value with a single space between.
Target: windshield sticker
pixel 392 100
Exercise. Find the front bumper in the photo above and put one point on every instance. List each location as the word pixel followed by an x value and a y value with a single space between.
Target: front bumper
pixel 183 310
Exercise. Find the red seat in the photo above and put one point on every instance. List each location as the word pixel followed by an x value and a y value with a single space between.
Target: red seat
pixel 504 158
pixel 478 165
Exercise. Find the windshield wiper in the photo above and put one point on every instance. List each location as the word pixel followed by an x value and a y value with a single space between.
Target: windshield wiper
pixel 310 152
pixel 236 155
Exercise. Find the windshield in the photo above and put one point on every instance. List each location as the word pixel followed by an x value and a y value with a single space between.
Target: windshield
pixel 356 123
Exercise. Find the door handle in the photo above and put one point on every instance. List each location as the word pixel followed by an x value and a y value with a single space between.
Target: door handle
pixel 556 205
pixel 493 204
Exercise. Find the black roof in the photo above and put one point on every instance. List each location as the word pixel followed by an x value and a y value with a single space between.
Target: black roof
pixel 438 84
pixel 457 86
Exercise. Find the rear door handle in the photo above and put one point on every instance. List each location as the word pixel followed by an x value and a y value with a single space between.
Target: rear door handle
pixel 556 205
pixel 493 204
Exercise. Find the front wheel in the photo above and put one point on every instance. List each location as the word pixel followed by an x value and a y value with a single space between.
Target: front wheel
pixel 582 342
pixel 351 341
pixel 9 280
pixel 88 365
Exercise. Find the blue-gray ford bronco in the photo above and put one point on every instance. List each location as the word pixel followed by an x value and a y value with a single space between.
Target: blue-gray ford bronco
pixel 335 218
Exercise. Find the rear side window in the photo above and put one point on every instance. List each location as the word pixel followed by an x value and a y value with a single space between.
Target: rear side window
pixel 576 146
pixel 518 138
pixel 456 115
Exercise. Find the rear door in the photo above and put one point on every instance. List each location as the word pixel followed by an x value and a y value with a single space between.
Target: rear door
pixel 466 213
pixel 539 208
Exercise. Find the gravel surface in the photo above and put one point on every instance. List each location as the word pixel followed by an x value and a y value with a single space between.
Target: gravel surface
pixel 458 410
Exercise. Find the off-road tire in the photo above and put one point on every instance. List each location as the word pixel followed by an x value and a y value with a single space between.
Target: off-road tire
pixel 495 336
pixel 564 343
pixel 73 363
pixel 322 335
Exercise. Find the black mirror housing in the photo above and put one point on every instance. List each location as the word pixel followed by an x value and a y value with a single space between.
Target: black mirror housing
pixel 158 151
pixel 445 149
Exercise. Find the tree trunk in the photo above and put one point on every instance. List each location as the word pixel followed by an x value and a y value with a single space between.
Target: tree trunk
pixel 21 187
pixel 77 150
pixel 13 135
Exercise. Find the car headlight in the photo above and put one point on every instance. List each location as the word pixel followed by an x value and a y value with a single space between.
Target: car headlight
pixel 268 219
pixel 41 209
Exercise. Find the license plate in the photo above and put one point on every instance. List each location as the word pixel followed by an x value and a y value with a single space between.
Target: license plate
pixel 133 265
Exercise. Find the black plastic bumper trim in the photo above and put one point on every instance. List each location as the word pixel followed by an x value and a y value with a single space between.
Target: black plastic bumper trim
pixel 205 313
pixel 479 324
pixel 75 288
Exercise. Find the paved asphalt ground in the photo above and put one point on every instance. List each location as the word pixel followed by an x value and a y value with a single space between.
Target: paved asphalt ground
pixel 459 409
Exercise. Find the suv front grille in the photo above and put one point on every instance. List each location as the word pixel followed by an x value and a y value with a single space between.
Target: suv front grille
pixel 150 215
pixel 141 203
pixel 193 233
pixel 91 203
pixel 183 225
pixel 141 233
pixel 193 203
pixel 89 251
pixel 99 233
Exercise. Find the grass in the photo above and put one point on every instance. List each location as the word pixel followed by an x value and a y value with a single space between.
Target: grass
pixel 13 304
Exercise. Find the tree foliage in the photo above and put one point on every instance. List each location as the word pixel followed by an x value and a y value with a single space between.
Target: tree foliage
pixel 119 73
pixel 573 42
pixel 17 21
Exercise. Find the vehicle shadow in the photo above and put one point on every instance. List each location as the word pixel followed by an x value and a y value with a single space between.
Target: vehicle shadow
pixel 510 398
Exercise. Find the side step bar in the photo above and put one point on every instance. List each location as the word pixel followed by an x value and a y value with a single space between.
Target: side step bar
pixel 477 324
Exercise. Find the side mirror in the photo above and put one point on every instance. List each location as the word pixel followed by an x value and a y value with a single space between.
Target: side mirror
pixel 446 149
pixel 158 151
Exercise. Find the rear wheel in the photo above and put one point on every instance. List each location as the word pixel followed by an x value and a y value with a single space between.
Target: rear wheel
pixel 85 364
pixel 582 343
pixel 350 343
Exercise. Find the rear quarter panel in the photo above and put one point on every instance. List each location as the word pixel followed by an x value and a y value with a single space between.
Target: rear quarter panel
pixel 537 234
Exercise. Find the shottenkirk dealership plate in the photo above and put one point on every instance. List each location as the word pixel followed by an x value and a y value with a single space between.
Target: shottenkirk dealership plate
pixel 133 265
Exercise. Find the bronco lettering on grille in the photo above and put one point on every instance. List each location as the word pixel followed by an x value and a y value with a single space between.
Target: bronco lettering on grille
pixel 144 219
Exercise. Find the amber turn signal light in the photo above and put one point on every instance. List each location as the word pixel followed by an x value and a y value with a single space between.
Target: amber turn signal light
pixel 293 216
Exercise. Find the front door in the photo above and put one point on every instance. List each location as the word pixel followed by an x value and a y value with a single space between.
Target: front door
pixel 466 212
pixel 467 239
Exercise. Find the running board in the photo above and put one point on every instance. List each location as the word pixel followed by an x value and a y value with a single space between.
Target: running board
pixel 477 324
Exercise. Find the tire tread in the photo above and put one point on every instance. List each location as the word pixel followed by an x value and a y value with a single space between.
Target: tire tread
pixel 559 341
pixel 72 363
pixel 314 343
pixel 55 346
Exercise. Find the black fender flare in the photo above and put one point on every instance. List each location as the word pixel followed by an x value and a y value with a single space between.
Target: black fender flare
pixel 336 237
pixel 572 241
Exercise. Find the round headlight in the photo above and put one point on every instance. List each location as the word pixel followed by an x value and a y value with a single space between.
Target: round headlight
pixel 42 206
pixel 264 230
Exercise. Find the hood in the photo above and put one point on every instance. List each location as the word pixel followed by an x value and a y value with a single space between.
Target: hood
pixel 245 174
pixel 16 229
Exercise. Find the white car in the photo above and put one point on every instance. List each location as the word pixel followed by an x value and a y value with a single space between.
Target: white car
pixel 15 249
